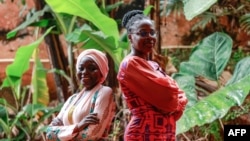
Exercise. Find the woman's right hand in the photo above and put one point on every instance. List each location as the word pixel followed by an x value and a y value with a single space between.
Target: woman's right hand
pixel 89 119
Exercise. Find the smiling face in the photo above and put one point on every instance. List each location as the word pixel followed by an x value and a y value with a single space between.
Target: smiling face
pixel 88 73
pixel 142 37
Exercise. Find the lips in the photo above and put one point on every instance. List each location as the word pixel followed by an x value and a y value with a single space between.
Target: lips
pixel 85 79
pixel 149 42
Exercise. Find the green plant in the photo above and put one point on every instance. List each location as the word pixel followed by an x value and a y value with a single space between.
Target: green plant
pixel 26 123
pixel 236 56
pixel 208 59
pixel 24 120
pixel 245 22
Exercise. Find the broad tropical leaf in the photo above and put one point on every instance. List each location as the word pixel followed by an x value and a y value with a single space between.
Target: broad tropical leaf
pixel 242 70
pixel 217 104
pixel 21 63
pixel 88 10
pixel 193 8
pixel 39 84
pixel 187 84
pixel 209 57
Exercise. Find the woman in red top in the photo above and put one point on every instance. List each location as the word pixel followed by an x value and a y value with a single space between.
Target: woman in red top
pixel 153 98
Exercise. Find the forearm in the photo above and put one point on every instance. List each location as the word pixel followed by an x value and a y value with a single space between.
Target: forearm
pixel 62 133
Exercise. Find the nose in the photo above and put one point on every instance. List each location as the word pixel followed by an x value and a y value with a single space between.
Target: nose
pixel 83 71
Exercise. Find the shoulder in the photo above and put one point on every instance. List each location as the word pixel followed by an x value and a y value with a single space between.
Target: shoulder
pixel 132 61
pixel 106 90
pixel 72 97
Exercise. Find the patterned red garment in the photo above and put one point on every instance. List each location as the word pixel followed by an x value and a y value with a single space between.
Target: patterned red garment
pixel 153 99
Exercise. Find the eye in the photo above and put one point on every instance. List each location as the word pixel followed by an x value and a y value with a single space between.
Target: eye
pixel 152 32
pixel 92 68
pixel 89 68
pixel 143 33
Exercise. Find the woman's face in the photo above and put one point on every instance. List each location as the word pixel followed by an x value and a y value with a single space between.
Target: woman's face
pixel 88 73
pixel 143 37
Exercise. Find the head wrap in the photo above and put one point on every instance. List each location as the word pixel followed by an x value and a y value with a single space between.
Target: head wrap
pixel 100 59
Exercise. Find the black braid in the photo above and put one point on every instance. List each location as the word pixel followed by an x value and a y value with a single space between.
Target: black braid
pixel 131 17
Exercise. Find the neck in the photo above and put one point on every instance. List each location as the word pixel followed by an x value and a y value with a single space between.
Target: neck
pixel 92 88
pixel 139 54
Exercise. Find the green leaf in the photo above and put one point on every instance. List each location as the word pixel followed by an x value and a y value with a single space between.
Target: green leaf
pixel 87 10
pixel 39 84
pixel 21 63
pixel 187 84
pixel 245 22
pixel 3 114
pixel 4 127
pixel 32 109
pixel 209 57
pixel 35 17
pixel 41 23
pixel 241 70
pixel 217 104
pixel 78 36
pixel 193 8
pixel 4 123
pixel 106 44
pixel 111 7
pixel 147 10
pixel 49 111
pixel 98 41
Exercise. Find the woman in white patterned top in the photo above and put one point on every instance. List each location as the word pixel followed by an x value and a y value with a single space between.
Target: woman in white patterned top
pixel 88 114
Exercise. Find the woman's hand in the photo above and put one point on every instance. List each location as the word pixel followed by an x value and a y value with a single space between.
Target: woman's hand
pixel 182 99
pixel 89 119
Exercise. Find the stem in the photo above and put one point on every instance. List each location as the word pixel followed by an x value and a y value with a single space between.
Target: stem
pixel 61 23
pixel 72 23
pixel 70 60
pixel 185 137
pixel 221 124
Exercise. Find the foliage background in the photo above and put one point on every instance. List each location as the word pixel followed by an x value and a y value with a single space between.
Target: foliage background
pixel 229 17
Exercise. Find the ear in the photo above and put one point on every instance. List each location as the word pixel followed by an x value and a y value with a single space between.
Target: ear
pixel 130 37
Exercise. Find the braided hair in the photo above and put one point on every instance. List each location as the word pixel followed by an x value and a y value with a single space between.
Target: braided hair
pixel 131 17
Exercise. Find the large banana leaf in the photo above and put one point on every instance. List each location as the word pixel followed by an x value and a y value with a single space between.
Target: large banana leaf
pixel 39 84
pixel 15 71
pixel 193 8
pixel 21 62
pixel 209 57
pixel 217 104
pixel 88 10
